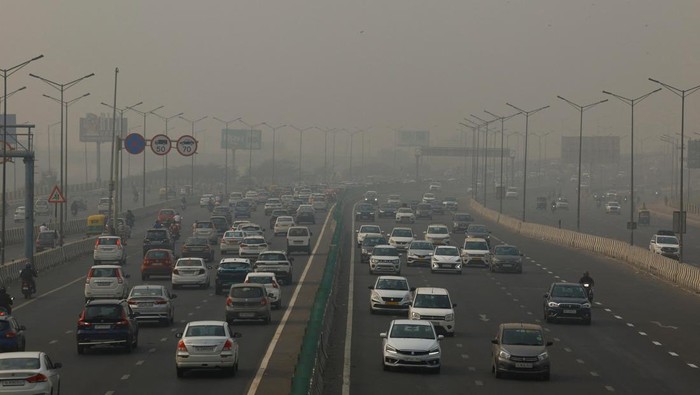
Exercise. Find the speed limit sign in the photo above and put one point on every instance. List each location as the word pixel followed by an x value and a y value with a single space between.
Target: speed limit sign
pixel 160 144
pixel 186 145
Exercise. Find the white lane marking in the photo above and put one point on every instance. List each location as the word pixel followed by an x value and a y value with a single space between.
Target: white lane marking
pixel 151 350
pixel 656 343
pixel 618 317
pixel 173 329
pixel 471 369
pixel 546 329
pixel 292 302
pixel 567 349
pixel 631 325
pixel 557 277
pixel 126 377
pixel 529 313
pixel 548 272
pixel 556 339
pixel 508 293
pixel 197 307
pixel 163 339
pixel 544 268
pixel 673 354
pixel 664 326
pixel 692 365
pixel 465 356
pixel 109 393
pixel 30 301
pixel 458 345
pixel 594 374
pixel 516 300
pixel 139 363
pixel 538 264
pixel 53 342
pixel 189 313
pixel 522 306
pixel 598 303
pixel 642 333
pixel 204 301
pixel 608 310
pixel 610 388
pixel 479 383
pixel 68 332
pixel 580 361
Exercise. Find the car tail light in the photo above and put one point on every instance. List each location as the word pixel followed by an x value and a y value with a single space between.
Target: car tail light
pixel 228 345
pixel 89 277
pixel 122 322
pixel 97 243
pixel 10 334
pixel 181 346
pixel 161 301
pixel 229 301
pixel 274 285
pixel 37 378
pixel 131 301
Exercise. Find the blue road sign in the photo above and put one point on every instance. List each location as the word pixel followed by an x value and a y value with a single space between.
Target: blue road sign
pixel 134 143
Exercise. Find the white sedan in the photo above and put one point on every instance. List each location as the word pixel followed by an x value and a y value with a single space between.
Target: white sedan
pixel 28 372
pixel 207 345
pixel 613 208
pixel 251 247
pixel 190 271
pixel 390 293
pixel 272 287
pixel 405 214
pixel 282 224
pixel 411 344
pixel 446 259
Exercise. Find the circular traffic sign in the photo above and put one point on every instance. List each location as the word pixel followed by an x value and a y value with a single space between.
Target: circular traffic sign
pixel 160 144
pixel 186 145
pixel 134 143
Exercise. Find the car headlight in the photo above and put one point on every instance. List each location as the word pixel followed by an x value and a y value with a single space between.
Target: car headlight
pixel 373 261
pixel 553 304
pixel 586 305
pixel 543 356
pixel 376 297
pixel 406 298
pixel 503 354
pixel 364 251
pixel 390 349
pixel 449 317
pixel 435 351
pixel 415 316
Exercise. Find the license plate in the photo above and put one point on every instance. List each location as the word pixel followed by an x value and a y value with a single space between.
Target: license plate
pixel 392 303
pixel 298 241
pixel 204 348
pixel 13 383
pixel 247 315
pixel 157 264
pixel 525 365
pixel 102 326
pixel 103 284
pixel 146 304
pixel 569 311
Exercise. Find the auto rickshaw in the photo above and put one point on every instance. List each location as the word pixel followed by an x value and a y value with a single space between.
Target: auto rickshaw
pixel 541 203
pixel 162 194
pixel 95 224
pixel 644 216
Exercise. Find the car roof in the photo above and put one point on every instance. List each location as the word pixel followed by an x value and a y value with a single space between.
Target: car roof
pixel 520 325
pixel 190 258
pixel 439 225
pixel 384 245
pixel 505 245
pixel 234 260
pixel 21 354
pixel 208 322
pixel 405 321
pixel 391 278
pixel 431 290
pixel 242 285
pixel 274 252
pixel 105 267
pixel 104 301
pixel 147 286
pixel 475 239
pixel 261 274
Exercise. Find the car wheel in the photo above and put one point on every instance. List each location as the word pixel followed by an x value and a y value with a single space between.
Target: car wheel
pixel 268 319
pixel 129 345
pixel 497 373
pixel 180 372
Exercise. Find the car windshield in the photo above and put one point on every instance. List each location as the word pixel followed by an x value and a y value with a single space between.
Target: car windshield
pixel 47 235
pixel 522 337
pixel 259 279
pixel 370 229
pixel 246 292
pixel 463 217
pixel 253 240
pixel 477 229
pixel 204 225
pixel 205 330
pixel 667 240
pixel 475 245
pixel 405 210
pixel 19 363
pixel 189 262
pixel 392 283
pixel 146 291
pixel 167 212
pixel 432 301
pixel 385 251
pixel 402 233
pixel 505 250
pixel 568 291
pixel 441 230
pixel 298 232
pixel 233 234
pixel 373 241
pixel 108 241
pixel 421 245
pixel 234 265
pixel 103 272
pixel 107 311
pixel 408 331
pixel 156 254
pixel 272 256
pixel 446 251
pixel 155 235
pixel 195 241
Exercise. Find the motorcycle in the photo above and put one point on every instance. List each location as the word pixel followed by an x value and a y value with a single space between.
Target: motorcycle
pixel 175 230
pixel 589 291
pixel 27 289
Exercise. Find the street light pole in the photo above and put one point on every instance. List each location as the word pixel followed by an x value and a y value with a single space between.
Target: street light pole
pixel 192 122
pixel 143 186
pixel 527 123
pixel 581 109
pixel 250 149
pixel 301 133
pixel 682 93
pixel 502 119
pixel 274 141
pixel 486 148
pixel 632 102
pixel 474 151
pixel 166 119
pixel 48 142
pixel 225 141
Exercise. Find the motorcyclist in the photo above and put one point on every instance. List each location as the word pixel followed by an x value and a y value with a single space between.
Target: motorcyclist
pixel 5 300
pixel 177 218
pixel 586 279
pixel 129 218
pixel 27 274
pixel 43 227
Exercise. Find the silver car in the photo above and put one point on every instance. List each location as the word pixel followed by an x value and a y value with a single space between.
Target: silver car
pixel 207 345
pixel 419 252
pixel 411 344
pixel 154 303
pixel 390 293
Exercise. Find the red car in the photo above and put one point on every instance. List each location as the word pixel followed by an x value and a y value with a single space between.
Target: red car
pixel 157 262
pixel 166 216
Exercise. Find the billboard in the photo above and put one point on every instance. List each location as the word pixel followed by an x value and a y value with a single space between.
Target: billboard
pixel 413 138
pixel 243 139
pixel 595 149
pixel 11 132
pixel 694 154
pixel 98 129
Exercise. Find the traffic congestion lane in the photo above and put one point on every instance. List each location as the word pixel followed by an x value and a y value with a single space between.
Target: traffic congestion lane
pixel 150 368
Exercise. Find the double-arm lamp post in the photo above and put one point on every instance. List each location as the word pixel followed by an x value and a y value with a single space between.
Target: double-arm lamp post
pixel 224 139
pixel 143 186
pixel 192 122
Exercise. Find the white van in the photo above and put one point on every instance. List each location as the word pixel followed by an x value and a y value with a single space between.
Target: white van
pixel 299 239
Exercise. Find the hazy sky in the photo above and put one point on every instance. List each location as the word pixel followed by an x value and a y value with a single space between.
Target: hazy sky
pixel 381 64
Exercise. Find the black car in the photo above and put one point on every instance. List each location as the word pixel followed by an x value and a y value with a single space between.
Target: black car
pixel 371 197
pixel 413 204
pixel 364 211
pixel 242 209
pixel 158 238
pixel 387 210
pixel 223 211
pixel 368 244
pixel 231 271
pixel 107 323
pixel 424 210
pixel 567 301
pixel 461 221
pixel 506 258
pixel 197 247
pixel 46 240
pixel 437 207
pixel 221 224
pixel 479 231
pixel 305 217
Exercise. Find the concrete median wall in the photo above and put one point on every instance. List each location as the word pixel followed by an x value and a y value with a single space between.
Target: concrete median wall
pixel 682 274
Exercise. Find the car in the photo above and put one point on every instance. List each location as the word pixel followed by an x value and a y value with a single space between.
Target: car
pixel 251 247
pixel 613 208
pixel 424 210
pixel 197 247
pixel 561 203
pixel 166 216
pixel 305 215
pixel 428 197
pixel 390 294
pixel 385 259
pixel 446 259
pixel 205 230
pixel 478 231
pixel 434 305
pixel 123 229
pixel 46 240
pixel 231 271
pixel 405 214
pixel 450 205
pixel 106 281
pixel 435 186
pixel 107 323
pixel 248 302
pixel 567 301
pixel 104 205
pixel 152 303
pixel 275 214
pixel 387 210
pixel 272 204
pixel 249 227
pixel 370 241
pixel 158 238
pixel 41 207
pixel 475 251
pixel 190 271
pixel 221 224
pixel 275 262
pixel 364 211
pixel 438 234
pixel 19 214
pixel 282 225
pixel 460 222
pixel 223 211
pixel 207 345
pixel 319 202
pixel 437 207
pixel 29 372
pixel 294 204
pixel 506 258
pixel 411 344
pixel 205 199
pixel 665 245
pixel 230 241
pixel 394 199
pixel 242 209
pixel 520 348
pixel 512 193
pixel 299 239
pixel 157 262
pixel 419 252
pixel 234 197
pixel 401 238
pixel 364 230
pixel 274 291
pixel 371 197
pixel 12 336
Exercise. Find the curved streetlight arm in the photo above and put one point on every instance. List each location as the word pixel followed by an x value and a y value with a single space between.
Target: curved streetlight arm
pixel 677 91
pixel 629 101
pixel 14 69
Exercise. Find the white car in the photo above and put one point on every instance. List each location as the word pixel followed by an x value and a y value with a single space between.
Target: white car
pixel 109 249
pixel 274 291
pixel 234 197
pixel 405 214
pixel 207 345
pixel 429 197
pixel 394 199
pixel 319 203
pixel 389 293
pixel 401 238
pixel 385 259
pixel 435 186
pixel 204 200
pixel 272 204
pixel 230 242
pixel 20 212
pixel 561 204
pixel 29 372
pixel 106 282
pixel 613 208
pixel 446 259
pixel 251 247
pixel 365 230
pixel 475 251
pixel 436 306
pixel 437 234
pixel 411 344
pixel 512 193
pixel 282 224
pixel 205 230
pixel 299 239
pixel 41 207
pixel 190 271
pixel 667 246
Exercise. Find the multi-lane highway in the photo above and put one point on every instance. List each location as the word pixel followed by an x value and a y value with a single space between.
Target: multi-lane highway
pixel 642 340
